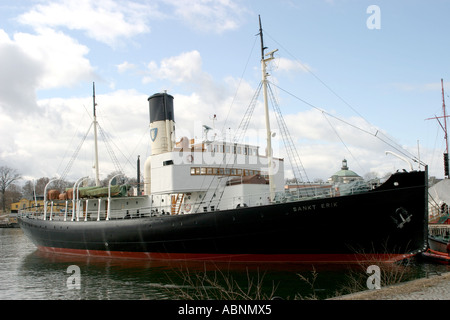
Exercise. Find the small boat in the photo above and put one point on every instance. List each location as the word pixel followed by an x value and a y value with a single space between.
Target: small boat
pixel 439 249
pixel 436 256
pixel 439 243
pixel 9 225
pixel 439 218
pixel 225 201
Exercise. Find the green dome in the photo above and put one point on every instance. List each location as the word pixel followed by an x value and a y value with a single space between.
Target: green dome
pixel 345 174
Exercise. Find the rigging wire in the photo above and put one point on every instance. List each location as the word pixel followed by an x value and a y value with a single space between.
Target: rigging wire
pixel 110 151
pixel 291 149
pixel 139 142
pixel 124 146
pixel 377 134
pixel 304 66
pixel 238 136
pixel 243 126
pixel 249 110
pixel 392 143
pixel 342 141
pixel 293 155
pixel 239 84
pixel 70 144
pixel 75 155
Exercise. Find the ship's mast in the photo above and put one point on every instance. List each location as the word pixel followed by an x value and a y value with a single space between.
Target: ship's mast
pixel 264 62
pixel 97 178
pixel 444 127
pixel 445 116
pixel 446 164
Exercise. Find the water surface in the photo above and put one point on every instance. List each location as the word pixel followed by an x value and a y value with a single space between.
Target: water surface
pixel 28 274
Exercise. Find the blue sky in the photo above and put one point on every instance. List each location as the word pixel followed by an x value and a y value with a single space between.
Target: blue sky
pixel 206 54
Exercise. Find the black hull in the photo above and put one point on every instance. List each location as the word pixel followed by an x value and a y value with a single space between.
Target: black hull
pixel 388 222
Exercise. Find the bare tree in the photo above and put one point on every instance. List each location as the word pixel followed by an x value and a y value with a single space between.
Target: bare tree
pixel 7 176
pixel 28 190
pixel 370 176
pixel 40 185
pixel 119 179
pixel 13 194
pixel 32 188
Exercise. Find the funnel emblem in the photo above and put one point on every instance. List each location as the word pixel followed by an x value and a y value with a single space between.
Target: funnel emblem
pixel 153 134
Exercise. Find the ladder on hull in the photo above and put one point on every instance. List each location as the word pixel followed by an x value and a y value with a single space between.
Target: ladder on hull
pixel 177 201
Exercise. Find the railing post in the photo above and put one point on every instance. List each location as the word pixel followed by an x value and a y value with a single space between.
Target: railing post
pixel 78 209
pixel 87 210
pixel 45 198
pixel 99 206
pixel 51 210
pixel 75 200
pixel 73 203
pixel 74 192
pixel 65 211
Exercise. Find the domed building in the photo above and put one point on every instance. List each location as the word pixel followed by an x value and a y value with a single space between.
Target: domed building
pixel 345 175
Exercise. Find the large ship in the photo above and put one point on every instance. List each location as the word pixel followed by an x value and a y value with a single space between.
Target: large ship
pixel 218 200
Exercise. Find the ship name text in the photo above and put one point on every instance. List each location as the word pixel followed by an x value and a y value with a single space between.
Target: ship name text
pixel 313 207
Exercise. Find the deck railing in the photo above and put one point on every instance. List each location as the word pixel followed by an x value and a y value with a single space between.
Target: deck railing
pixel 439 229
pixel 99 208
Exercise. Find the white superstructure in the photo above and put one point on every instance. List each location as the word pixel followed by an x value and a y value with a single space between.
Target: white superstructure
pixel 195 176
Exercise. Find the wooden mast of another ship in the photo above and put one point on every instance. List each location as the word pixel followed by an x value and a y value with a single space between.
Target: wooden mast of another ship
pixel 445 116
pixel 444 127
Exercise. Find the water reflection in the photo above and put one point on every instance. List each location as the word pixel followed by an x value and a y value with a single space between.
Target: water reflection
pixel 103 278
pixel 99 278
pixel 26 273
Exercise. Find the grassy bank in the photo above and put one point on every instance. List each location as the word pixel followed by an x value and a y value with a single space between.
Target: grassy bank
pixel 225 285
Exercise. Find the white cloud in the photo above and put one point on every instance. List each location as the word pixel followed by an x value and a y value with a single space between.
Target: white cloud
pixel 322 141
pixel 19 77
pixel 287 65
pixel 50 58
pixel 210 15
pixel 111 22
pixel 125 66
pixel 61 57
pixel 45 60
pixel 184 68
pixel 47 140
pixel 103 20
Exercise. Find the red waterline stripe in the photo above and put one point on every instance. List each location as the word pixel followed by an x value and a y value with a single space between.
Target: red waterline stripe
pixel 304 258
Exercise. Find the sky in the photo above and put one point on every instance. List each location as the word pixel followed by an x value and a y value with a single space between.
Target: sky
pixel 353 79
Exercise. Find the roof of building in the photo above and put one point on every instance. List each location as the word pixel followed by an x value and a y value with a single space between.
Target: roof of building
pixel 345 171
